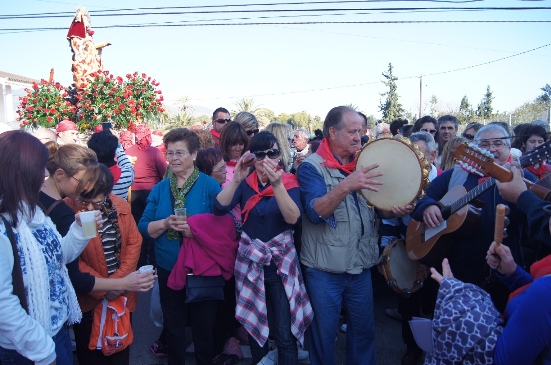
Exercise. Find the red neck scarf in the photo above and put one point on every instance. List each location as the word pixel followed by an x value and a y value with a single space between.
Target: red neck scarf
pixel 482 179
pixel 330 161
pixel 540 171
pixel 231 163
pixel 538 269
pixel 289 181
pixel 116 171
pixel 215 133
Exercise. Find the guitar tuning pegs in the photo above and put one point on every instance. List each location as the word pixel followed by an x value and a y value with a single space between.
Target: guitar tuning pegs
pixel 505 234
pixel 506 221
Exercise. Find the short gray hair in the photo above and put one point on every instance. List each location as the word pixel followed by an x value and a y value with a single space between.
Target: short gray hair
pixel 494 128
pixel 303 133
pixel 425 137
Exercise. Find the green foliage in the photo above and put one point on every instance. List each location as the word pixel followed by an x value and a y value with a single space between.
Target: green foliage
pixel 466 112
pixel 245 105
pixel 545 97
pixel 391 107
pixel 485 110
pixel 529 112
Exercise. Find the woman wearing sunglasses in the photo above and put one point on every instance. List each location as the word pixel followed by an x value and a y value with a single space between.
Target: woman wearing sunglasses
pixel 267 266
pixel 112 254
pixel 249 123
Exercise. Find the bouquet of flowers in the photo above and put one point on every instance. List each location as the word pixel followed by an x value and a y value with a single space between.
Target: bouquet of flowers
pixel 107 97
pixel 45 105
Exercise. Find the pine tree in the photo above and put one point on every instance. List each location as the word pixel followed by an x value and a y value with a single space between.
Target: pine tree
pixel 485 109
pixel 391 108
pixel 465 111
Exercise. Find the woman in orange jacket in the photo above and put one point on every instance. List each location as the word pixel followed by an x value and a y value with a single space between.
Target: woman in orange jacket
pixel 113 253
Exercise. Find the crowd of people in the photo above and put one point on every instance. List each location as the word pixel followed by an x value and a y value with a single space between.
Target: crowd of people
pixel 264 238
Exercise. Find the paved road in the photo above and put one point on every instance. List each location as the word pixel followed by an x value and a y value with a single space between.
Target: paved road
pixel 389 347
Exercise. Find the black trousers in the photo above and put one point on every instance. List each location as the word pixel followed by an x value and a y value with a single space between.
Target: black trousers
pixel 175 313
pixel 138 204
pixel 85 356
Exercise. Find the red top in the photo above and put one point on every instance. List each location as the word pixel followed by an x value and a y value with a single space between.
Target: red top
pixel 149 168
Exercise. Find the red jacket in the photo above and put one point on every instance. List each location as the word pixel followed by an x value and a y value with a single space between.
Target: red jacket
pixel 92 259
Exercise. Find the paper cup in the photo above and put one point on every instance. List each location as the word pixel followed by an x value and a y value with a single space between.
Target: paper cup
pixel 88 221
pixel 146 268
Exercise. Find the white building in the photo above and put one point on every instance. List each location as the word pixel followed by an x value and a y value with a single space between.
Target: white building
pixel 7 80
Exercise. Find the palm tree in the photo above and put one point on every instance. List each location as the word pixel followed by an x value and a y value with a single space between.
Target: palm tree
pixel 246 105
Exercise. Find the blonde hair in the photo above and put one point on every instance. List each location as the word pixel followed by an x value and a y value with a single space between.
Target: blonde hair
pixel 72 158
pixel 447 159
pixel 282 132
pixel 246 119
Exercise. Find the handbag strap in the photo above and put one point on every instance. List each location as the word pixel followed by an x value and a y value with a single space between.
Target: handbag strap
pixel 17 274
pixel 52 207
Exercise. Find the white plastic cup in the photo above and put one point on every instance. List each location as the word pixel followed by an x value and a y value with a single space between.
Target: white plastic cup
pixel 88 221
pixel 180 212
pixel 146 268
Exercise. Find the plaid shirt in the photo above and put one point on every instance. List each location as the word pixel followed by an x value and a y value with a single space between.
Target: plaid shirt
pixel 252 256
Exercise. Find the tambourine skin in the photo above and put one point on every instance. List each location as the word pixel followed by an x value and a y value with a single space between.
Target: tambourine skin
pixel 405 172
pixel 403 275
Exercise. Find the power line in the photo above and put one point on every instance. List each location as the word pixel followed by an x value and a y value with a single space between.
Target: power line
pixel 399 9
pixel 155 25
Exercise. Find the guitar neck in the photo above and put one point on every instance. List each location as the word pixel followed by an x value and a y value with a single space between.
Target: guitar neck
pixel 471 195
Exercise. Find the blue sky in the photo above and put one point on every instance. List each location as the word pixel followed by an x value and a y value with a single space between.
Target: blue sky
pixel 289 68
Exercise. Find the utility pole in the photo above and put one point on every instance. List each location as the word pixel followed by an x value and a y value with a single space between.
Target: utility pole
pixel 420 95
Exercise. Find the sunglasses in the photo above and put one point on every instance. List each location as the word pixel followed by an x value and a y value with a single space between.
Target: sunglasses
pixel 254 131
pixel 272 154
pixel 222 121
pixel 470 137
pixel 428 130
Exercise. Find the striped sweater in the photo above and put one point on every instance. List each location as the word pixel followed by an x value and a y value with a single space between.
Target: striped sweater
pixel 127 174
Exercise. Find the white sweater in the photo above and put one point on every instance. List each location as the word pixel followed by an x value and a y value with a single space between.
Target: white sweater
pixel 18 330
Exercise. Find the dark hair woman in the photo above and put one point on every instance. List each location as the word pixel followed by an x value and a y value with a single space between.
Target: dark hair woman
pixel 233 141
pixel 39 333
pixel 210 161
pixel 267 262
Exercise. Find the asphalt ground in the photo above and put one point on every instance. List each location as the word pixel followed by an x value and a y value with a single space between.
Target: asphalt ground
pixel 389 346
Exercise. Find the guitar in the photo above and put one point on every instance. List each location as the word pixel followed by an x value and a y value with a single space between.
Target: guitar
pixel 537 155
pixel 481 162
pixel 423 244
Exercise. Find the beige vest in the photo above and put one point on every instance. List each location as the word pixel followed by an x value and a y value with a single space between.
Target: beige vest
pixel 344 248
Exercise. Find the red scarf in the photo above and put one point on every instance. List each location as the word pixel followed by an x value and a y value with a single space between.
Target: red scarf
pixel 482 179
pixel 538 269
pixel 289 181
pixel 215 133
pixel 231 163
pixel 540 172
pixel 330 161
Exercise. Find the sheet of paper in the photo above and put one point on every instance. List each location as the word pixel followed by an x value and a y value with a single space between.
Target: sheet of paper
pixel 431 232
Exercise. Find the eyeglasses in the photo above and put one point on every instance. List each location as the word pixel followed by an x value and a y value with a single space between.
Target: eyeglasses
pixel 222 121
pixel 431 131
pixel 177 154
pixel 272 154
pixel 221 170
pixel 254 131
pixel 96 204
pixel 80 182
pixel 470 137
pixel 486 144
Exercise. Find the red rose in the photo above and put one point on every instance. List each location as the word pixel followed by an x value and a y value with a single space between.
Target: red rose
pixel 116 111
pixel 49 119
pixel 52 111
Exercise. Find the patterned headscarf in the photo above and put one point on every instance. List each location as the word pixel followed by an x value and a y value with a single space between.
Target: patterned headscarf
pixel 143 136
pixel 126 139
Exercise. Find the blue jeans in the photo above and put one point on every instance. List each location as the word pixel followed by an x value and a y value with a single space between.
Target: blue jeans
pixel 327 292
pixel 279 314
pixel 63 351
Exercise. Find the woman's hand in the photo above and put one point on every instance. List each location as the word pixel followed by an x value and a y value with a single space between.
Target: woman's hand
pixel 113 294
pixel 446 272
pixel 178 223
pixel 270 170
pixel 243 167
pixel 138 281
pixel 97 217
pixel 499 258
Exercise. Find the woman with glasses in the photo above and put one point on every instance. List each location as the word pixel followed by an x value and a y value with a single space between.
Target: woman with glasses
pixel 249 123
pixel 38 304
pixel 210 161
pixel 112 254
pixel 233 141
pixel 470 130
pixel 186 187
pixel 267 270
